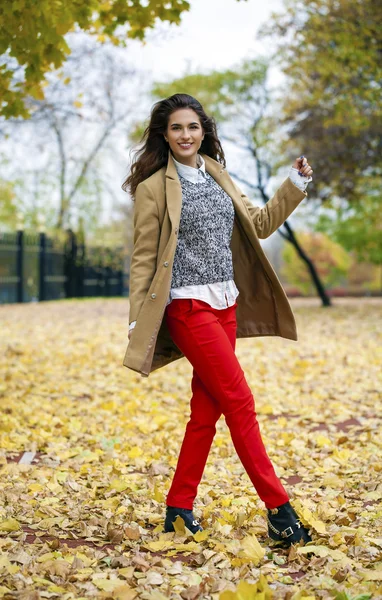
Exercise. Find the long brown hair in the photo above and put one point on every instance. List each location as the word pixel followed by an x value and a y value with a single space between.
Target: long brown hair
pixel 153 154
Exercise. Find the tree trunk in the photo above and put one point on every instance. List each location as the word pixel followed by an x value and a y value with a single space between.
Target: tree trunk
pixel 325 298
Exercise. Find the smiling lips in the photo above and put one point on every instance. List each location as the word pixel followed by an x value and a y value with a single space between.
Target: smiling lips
pixel 185 146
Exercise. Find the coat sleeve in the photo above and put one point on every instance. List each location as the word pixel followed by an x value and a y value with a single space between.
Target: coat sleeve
pixel 270 217
pixel 145 248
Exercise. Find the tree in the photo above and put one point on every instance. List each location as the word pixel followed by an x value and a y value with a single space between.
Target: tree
pixel 8 206
pixel 331 260
pixel 86 102
pixel 32 38
pixel 356 226
pixel 331 54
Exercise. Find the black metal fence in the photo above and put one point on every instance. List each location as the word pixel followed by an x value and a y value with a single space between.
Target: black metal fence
pixel 35 267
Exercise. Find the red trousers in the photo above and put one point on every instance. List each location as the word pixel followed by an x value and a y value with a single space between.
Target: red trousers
pixel 207 338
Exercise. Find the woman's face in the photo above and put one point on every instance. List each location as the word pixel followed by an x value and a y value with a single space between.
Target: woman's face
pixel 184 134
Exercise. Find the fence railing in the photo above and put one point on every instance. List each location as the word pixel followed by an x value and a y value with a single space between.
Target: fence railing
pixel 35 267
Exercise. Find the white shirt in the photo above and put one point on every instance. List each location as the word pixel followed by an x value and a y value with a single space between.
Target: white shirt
pixel 221 294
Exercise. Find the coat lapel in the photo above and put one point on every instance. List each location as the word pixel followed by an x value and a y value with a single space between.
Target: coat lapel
pixel 221 176
pixel 173 192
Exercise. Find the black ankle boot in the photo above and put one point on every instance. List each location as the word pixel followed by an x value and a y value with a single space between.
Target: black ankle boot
pixel 284 525
pixel 189 520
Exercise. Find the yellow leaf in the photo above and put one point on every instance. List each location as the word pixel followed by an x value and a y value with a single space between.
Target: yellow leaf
pixel 226 501
pixel 57 589
pixel 266 409
pixel 135 452
pixel 54 487
pixel 125 592
pixel 159 545
pixel 36 92
pixel 249 591
pixel 331 480
pixel 341 455
pixel 319 526
pixel 108 585
pixel 200 536
pixel 324 551
pixel 229 517
pixel 35 487
pixel 49 500
pixel 322 441
pixel 251 549
pixel 48 556
pixel 126 572
pixel 179 525
pixel 5 562
pixel 10 525
pixel 118 485
pixel 86 560
pixel 190 547
pixel 41 580
pixel 158 494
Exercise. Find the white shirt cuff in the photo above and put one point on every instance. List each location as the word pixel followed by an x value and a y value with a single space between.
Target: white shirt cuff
pixel 132 325
pixel 298 180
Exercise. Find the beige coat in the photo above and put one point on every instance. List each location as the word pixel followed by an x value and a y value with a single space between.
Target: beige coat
pixel 263 308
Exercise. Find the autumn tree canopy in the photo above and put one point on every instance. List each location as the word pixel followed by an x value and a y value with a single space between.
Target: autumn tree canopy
pixel 32 37
pixel 330 52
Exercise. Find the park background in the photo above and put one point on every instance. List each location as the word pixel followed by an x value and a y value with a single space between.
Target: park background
pixel 278 87
pixel 87 448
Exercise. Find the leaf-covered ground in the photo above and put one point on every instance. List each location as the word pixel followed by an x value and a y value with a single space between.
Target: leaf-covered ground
pixel 84 518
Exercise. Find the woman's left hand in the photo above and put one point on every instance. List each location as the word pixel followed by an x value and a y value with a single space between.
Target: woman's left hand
pixel 302 165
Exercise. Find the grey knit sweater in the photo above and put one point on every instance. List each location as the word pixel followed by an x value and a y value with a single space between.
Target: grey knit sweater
pixel 203 253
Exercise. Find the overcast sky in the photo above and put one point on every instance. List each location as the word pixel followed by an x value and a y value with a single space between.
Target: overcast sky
pixel 214 34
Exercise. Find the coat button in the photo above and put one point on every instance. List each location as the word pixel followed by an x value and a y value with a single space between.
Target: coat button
pixel 176 230
pixel 153 296
pixel 166 263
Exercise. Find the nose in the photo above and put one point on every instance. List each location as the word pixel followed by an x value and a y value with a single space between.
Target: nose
pixel 185 136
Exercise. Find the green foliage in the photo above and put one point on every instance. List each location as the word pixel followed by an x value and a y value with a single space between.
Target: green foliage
pixel 33 43
pixel 105 257
pixel 221 93
pixel 8 206
pixel 332 262
pixel 356 226
pixel 330 53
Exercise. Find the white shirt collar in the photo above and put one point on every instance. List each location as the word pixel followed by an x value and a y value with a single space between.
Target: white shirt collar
pixel 190 173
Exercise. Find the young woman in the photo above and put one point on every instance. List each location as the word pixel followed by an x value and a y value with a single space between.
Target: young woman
pixel 199 280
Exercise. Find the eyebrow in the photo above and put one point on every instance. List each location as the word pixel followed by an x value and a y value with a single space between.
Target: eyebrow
pixel 193 123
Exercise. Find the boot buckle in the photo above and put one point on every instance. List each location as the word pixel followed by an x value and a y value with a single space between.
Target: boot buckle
pixel 285 534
